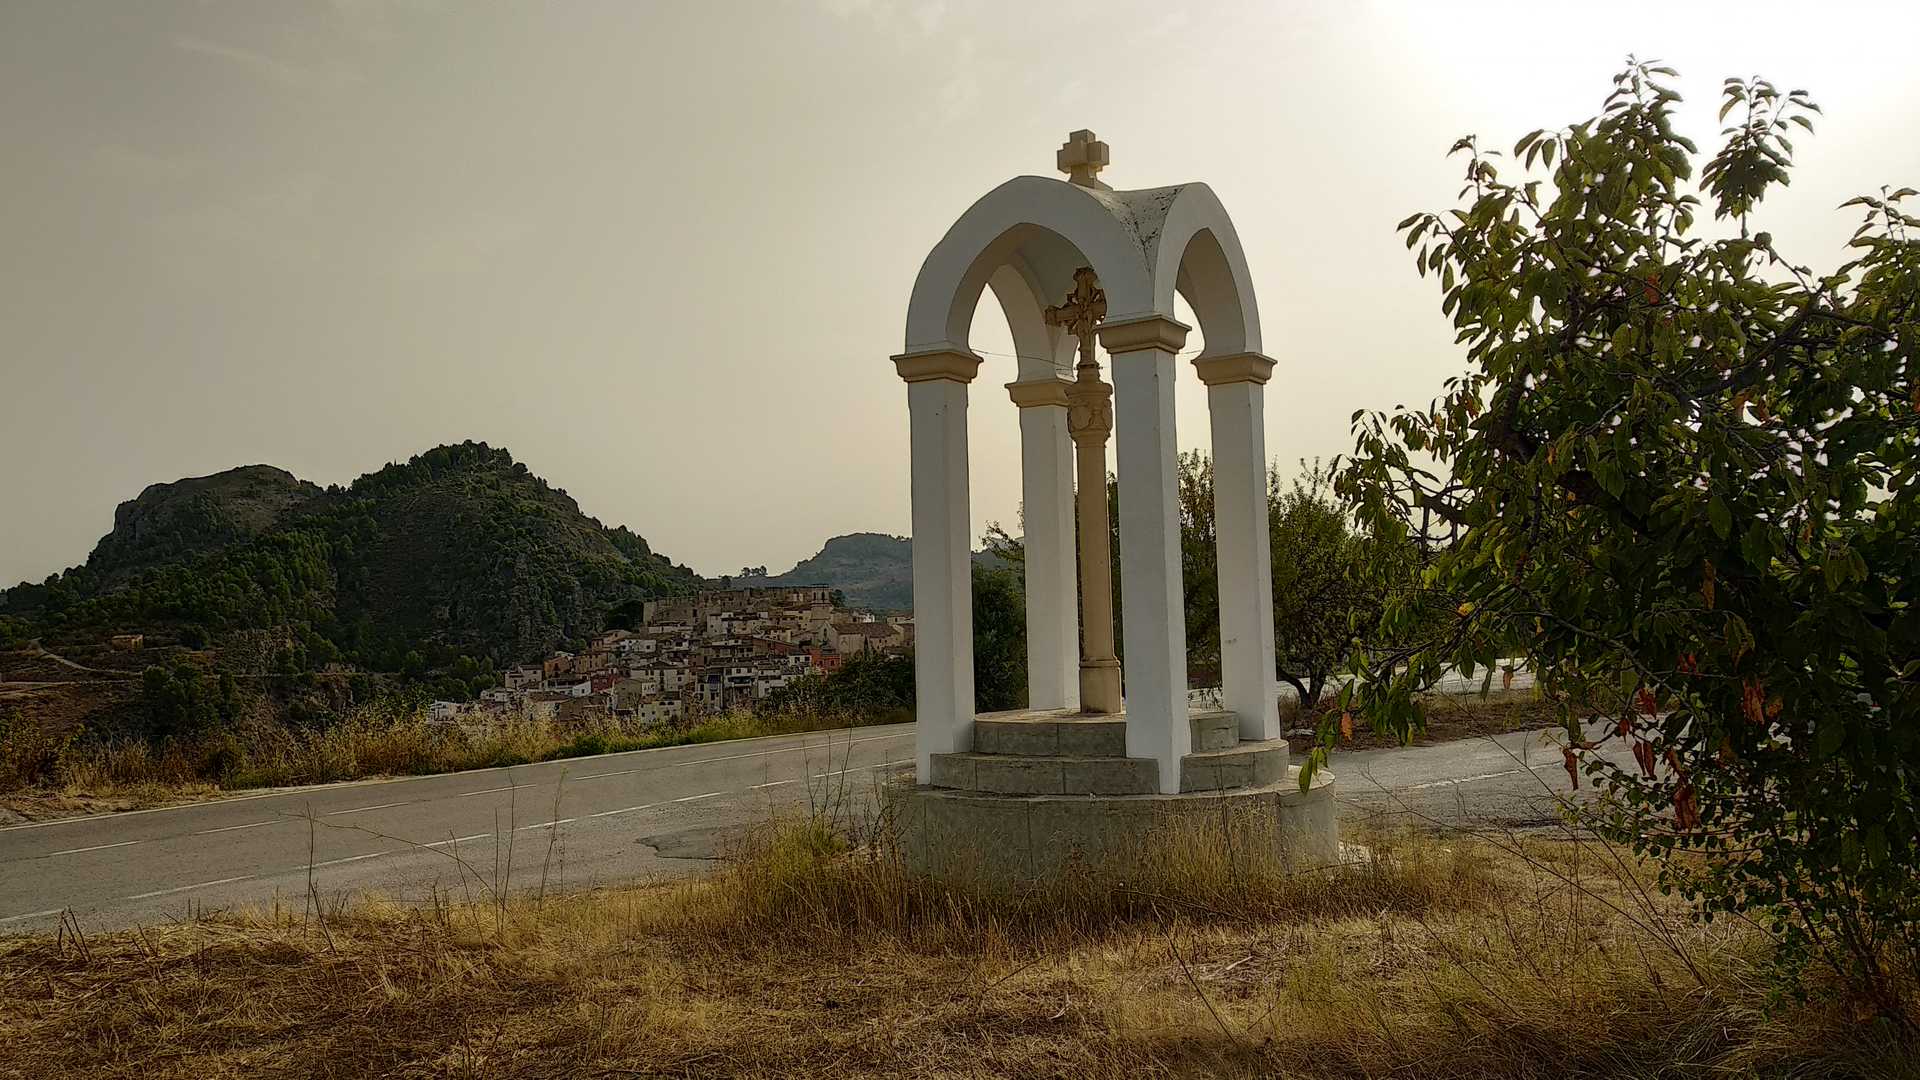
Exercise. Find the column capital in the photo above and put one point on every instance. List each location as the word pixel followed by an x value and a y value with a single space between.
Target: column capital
pixel 1234 368
pixel 931 365
pixel 1045 390
pixel 1145 332
pixel 1090 414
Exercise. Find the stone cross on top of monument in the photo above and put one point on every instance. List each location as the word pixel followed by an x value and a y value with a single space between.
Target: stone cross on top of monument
pixel 1081 157
pixel 1083 309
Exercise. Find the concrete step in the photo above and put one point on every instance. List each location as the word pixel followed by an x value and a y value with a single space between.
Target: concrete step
pixel 1249 764
pixel 1214 729
pixel 1051 735
pixel 1044 774
pixel 1072 735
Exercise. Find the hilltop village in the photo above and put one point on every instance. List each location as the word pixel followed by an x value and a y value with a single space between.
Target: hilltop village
pixel 698 655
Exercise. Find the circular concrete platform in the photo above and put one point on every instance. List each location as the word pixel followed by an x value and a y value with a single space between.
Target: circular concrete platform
pixel 1016 840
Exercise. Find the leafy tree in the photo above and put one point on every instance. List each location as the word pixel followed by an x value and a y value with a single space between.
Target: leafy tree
pixel 999 640
pixel 1199 567
pixel 181 702
pixel 1330 581
pixel 1683 471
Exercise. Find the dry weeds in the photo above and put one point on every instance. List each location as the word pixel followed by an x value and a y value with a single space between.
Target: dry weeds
pixel 1430 957
pixel 48 778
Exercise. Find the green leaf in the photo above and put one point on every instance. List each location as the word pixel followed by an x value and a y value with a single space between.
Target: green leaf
pixel 1876 836
pixel 1828 738
pixel 1756 545
pixel 1739 639
pixel 1720 517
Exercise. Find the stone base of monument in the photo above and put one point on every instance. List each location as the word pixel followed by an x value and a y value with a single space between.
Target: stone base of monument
pixel 1050 793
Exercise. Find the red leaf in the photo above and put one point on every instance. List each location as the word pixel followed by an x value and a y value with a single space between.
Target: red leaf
pixel 1686 812
pixel 1573 767
pixel 1753 697
pixel 1643 753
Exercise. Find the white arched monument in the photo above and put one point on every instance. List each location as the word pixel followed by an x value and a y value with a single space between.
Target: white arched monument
pixel 1074 263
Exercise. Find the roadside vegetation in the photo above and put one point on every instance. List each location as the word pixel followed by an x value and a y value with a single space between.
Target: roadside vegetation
pixel 47 776
pixel 1682 470
pixel 815 954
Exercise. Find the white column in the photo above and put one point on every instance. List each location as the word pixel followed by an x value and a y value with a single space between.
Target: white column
pixel 1046 495
pixel 1153 616
pixel 942 551
pixel 1236 385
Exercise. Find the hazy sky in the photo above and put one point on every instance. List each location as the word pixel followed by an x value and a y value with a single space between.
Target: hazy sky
pixel 663 251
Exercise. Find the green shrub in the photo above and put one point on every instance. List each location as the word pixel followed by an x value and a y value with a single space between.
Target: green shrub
pixel 1683 472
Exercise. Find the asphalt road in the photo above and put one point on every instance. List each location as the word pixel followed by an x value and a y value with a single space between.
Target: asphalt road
pixel 615 818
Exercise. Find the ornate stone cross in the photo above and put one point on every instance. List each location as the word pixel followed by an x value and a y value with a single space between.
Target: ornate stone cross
pixel 1080 315
pixel 1090 422
pixel 1080 157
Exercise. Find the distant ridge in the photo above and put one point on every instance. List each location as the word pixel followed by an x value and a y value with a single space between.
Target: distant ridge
pixel 873 570
pixel 459 549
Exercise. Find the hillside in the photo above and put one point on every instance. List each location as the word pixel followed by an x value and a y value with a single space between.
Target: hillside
pixel 873 570
pixel 459 550
pixel 197 516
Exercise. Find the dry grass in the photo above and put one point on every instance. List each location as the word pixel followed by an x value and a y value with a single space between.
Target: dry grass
pixel 1430 958
pixel 47 777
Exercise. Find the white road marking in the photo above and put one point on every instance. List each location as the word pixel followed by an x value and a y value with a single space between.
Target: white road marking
pixel 550 824
pixel 790 749
pixel 772 783
pixel 859 768
pixel 96 847
pixel 358 809
pixel 623 810
pixel 458 840
pixel 1483 776
pixel 692 798
pixel 696 761
pixel 231 828
pixel 186 888
pixel 32 915
pixel 348 859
